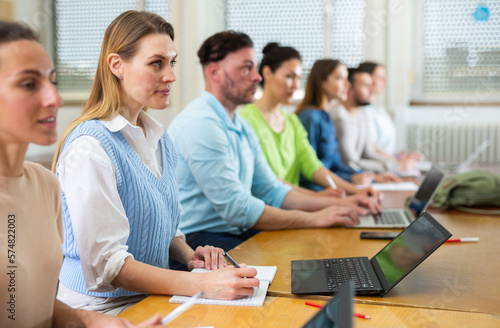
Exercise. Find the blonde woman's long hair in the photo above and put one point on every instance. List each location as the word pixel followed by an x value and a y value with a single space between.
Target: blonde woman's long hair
pixel 314 95
pixel 121 37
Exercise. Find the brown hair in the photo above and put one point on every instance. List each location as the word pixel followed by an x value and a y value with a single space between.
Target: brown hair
pixel 274 56
pixel 314 94
pixel 368 67
pixel 121 37
pixel 13 31
pixel 219 45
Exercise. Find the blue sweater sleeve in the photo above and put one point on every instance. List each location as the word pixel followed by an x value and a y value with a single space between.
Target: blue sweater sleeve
pixel 322 136
pixel 310 123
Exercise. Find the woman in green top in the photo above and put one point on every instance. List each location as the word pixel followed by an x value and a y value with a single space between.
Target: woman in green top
pixel 283 137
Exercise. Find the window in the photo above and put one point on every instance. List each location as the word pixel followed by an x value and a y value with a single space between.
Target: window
pixel 79 29
pixel 460 51
pixel 316 28
pixel 348 32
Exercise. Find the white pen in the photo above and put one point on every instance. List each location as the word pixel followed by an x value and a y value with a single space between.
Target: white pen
pixel 330 181
pixel 464 240
pixel 183 307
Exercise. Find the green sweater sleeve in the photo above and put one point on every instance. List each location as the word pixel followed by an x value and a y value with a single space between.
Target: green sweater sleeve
pixel 289 152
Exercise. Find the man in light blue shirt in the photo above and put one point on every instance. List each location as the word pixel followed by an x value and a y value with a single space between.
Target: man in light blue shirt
pixel 228 191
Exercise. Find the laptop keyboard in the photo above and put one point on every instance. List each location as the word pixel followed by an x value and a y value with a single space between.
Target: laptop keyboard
pixel 390 218
pixel 339 271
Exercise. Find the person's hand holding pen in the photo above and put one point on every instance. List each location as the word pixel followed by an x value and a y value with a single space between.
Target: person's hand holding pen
pixel 229 283
pixel 334 191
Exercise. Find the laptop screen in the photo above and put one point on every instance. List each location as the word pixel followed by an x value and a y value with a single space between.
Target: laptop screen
pixel 468 161
pixel 424 194
pixel 338 312
pixel 408 250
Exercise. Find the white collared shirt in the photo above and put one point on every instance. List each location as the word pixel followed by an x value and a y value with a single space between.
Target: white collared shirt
pixel 87 178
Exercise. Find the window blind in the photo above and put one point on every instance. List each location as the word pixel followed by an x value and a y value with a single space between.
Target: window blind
pixel 79 30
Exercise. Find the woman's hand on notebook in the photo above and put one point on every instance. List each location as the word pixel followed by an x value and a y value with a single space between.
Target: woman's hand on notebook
pixel 229 283
pixel 208 257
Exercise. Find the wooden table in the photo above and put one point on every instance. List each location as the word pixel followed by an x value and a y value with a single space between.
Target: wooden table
pixel 457 286
pixel 291 312
pixel 463 277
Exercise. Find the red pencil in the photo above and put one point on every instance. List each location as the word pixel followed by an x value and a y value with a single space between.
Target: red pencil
pixel 362 316
pixel 314 304
pixel 359 315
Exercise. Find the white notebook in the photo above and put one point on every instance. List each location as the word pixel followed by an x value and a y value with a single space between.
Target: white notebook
pixel 264 273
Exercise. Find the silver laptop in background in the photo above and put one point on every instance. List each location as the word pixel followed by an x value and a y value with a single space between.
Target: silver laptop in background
pixel 464 166
pixel 402 217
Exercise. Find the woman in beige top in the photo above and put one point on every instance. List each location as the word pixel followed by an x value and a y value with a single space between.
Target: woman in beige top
pixel 30 205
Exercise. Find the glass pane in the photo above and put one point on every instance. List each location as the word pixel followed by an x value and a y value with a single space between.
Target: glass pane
pixel 295 23
pixel 348 35
pixel 80 27
pixel 301 24
pixel 461 50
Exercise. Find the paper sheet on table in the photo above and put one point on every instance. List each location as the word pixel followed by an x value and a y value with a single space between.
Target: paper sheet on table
pixel 402 186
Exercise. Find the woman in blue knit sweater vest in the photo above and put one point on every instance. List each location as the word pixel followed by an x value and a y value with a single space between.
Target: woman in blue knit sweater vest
pixel 30 203
pixel 116 166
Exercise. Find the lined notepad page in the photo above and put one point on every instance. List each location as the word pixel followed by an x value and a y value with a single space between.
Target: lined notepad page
pixel 257 299
pixel 264 273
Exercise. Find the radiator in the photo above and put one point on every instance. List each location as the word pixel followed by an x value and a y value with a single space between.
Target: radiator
pixel 454 143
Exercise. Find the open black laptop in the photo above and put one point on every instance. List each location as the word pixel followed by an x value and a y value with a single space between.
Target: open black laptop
pixel 402 217
pixel 382 272
pixel 337 313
